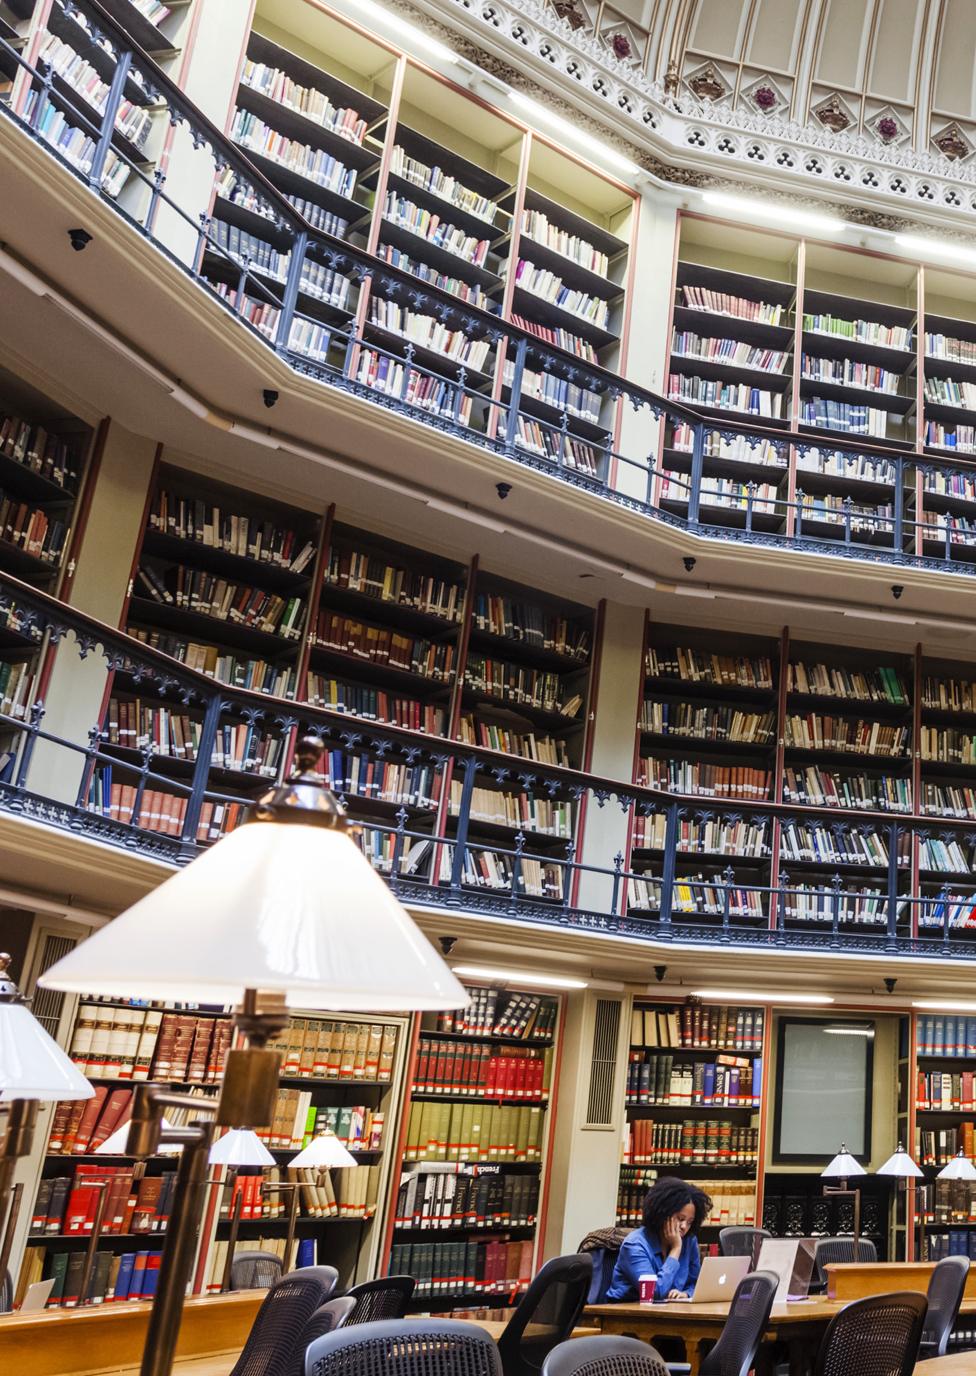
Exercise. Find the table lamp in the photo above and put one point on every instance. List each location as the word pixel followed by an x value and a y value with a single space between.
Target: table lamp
pixel 900 1164
pixel 284 911
pixel 959 1168
pixel 841 1168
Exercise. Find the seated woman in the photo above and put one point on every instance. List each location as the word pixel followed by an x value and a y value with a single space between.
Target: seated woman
pixel 666 1246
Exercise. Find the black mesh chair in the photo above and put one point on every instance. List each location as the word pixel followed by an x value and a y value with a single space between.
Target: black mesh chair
pixel 427 1347
pixel 603 1357
pixel 878 1336
pixel 255 1270
pixel 741 1242
pixel 326 1319
pixel 274 1344
pixel 546 1315
pixel 946 1286
pixel 384 1298
pixel 735 1352
pixel 829 1250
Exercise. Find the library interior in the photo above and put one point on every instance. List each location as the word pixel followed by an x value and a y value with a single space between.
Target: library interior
pixel 488 885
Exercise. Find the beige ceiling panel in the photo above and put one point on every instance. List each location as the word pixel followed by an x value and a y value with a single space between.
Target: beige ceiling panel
pixel 636 11
pixel 844 42
pixel 895 56
pixel 776 34
pixel 719 27
pixel 955 76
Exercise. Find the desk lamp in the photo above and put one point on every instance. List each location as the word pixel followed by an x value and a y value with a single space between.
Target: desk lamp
pixel 284 911
pixel 842 1168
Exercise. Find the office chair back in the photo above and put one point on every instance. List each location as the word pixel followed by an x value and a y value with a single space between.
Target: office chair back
pixel 274 1343
pixel 384 1298
pixel 392 1347
pixel 255 1270
pixel 603 1357
pixel 877 1336
pixel 546 1315
pixel 735 1352
pixel 326 1319
pixel 837 1249
pixel 946 1286
pixel 741 1242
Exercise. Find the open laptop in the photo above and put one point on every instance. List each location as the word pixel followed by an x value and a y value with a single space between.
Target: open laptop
pixel 718 1278
pixel 792 1260
pixel 37 1295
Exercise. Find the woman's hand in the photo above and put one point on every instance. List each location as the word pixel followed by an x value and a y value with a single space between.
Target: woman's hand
pixel 671 1237
pixel 677 1294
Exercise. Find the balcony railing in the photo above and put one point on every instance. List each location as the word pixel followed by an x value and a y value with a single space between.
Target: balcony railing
pixel 843 496
pixel 456 827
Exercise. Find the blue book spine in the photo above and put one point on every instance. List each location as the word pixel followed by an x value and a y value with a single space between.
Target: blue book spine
pixel 306 1252
pixel 708 1084
pixel 151 1273
pixel 124 1279
pixel 757 1069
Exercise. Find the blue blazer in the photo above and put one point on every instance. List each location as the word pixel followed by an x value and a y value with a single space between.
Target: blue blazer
pixel 641 1255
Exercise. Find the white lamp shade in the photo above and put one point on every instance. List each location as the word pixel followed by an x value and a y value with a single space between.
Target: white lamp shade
pixel 324 1150
pixel 842 1167
pixel 959 1168
pixel 117 1144
pixel 900 1164
pixel 282 907
pixel 32 1065
pixel 240 1147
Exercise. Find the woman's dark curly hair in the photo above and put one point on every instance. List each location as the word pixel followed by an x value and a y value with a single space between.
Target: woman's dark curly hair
pixel 669 1195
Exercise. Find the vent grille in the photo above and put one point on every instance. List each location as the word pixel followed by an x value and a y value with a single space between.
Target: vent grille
pixel 47 1004
pixel 603 1064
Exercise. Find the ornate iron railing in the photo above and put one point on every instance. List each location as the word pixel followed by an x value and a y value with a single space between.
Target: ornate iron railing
pixel 843 881
pixel 844 496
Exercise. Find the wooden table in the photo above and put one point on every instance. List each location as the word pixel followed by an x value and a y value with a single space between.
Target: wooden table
pixel 956 1364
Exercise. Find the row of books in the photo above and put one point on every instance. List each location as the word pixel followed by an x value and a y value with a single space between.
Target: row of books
pixel 153 10
pixel 862 520
pixel 374 704
pixel 32 529
pixel 200 591
pixel 385 645
pixel 465 1198
pixel 502 1014
pixel 961 439
pixel 866 331
pixel 476 1132
pixel 944 483
pixel 882 684
pixel 692 1142
pixel 296 1120
pixel 544 816
pixel 861 906
pixel 725 492
pixel 428 333
pixel 846 734
pixel 79 1127
pixel 530 624
pixel 733 1201
pixel 694 893
pixel 685 344
pixel 230 187
pixel 949 391
pixel 453 1070
pixel 427 224
pixel 948 1035
pixel 948 800
pixel 958 530
pixel 725 303
pixel 134 1203
pixel 16 678
pixel 558 337
pixel 728 1082
pixel 73 143
pixel 549 286
pixel 514 683
pixel 946 1092
pixel 848 845
pixel 544 749
pixel 714 836
pixel 698 666
pixel 840 465
pixel 709 1027
pixel 132 119
pixel 707 723
pixel 486 869
pixel 37 449
pixel 372 574
pixel 944 346
pixel 314 104
pixel 116 1276
pixel 157 810
pixel 938 1146
pixel 257 675
pixel 850 417
pixel 819 787
pixel 957 1242
pixel 387 374
pixel 341 1192
pixel 551 442
pixel 947 745
pixel 464 1268
pixel 442 184
pixel 250 537
pixel 330 1049
pixel 537 225
pixel 135 1043
pixel 850 372
pixel 704 780
pixel 556 391
pixel 473 293
pixel 319 166
pixel 728 396
pixel 239 747
pixel 416 785
pixel 737 448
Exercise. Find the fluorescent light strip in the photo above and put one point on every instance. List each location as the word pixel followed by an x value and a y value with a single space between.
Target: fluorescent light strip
pixel 415 37
pixel 946 1005
pixel 519 976
pixel 772 210
pixel 941 248
pixel 849 1031
pixel 540 115
pixel 756 996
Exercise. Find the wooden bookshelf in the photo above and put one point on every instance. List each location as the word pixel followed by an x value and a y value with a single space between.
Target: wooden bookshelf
pixel 942 1117
pixel 464 1216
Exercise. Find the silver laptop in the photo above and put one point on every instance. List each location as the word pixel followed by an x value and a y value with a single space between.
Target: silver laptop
pixel 792 1260
pixel 718 1278
pixel 37 1295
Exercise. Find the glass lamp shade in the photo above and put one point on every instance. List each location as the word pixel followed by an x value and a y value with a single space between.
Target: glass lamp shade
pixel 240 1147
pixel 842 1167
pixel 282 907
pixel 32 1065
pixel 900 1164
pixel 323 1150
pixel 959 1168
pixel 119 1140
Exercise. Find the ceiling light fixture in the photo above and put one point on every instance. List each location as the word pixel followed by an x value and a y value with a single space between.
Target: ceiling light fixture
pixel 941 248
pixel 849 1031
pixel 414 37
pixel 519 976
pixel 945 1005
pixel 539 114
pixel 756 996
pixel 775 211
